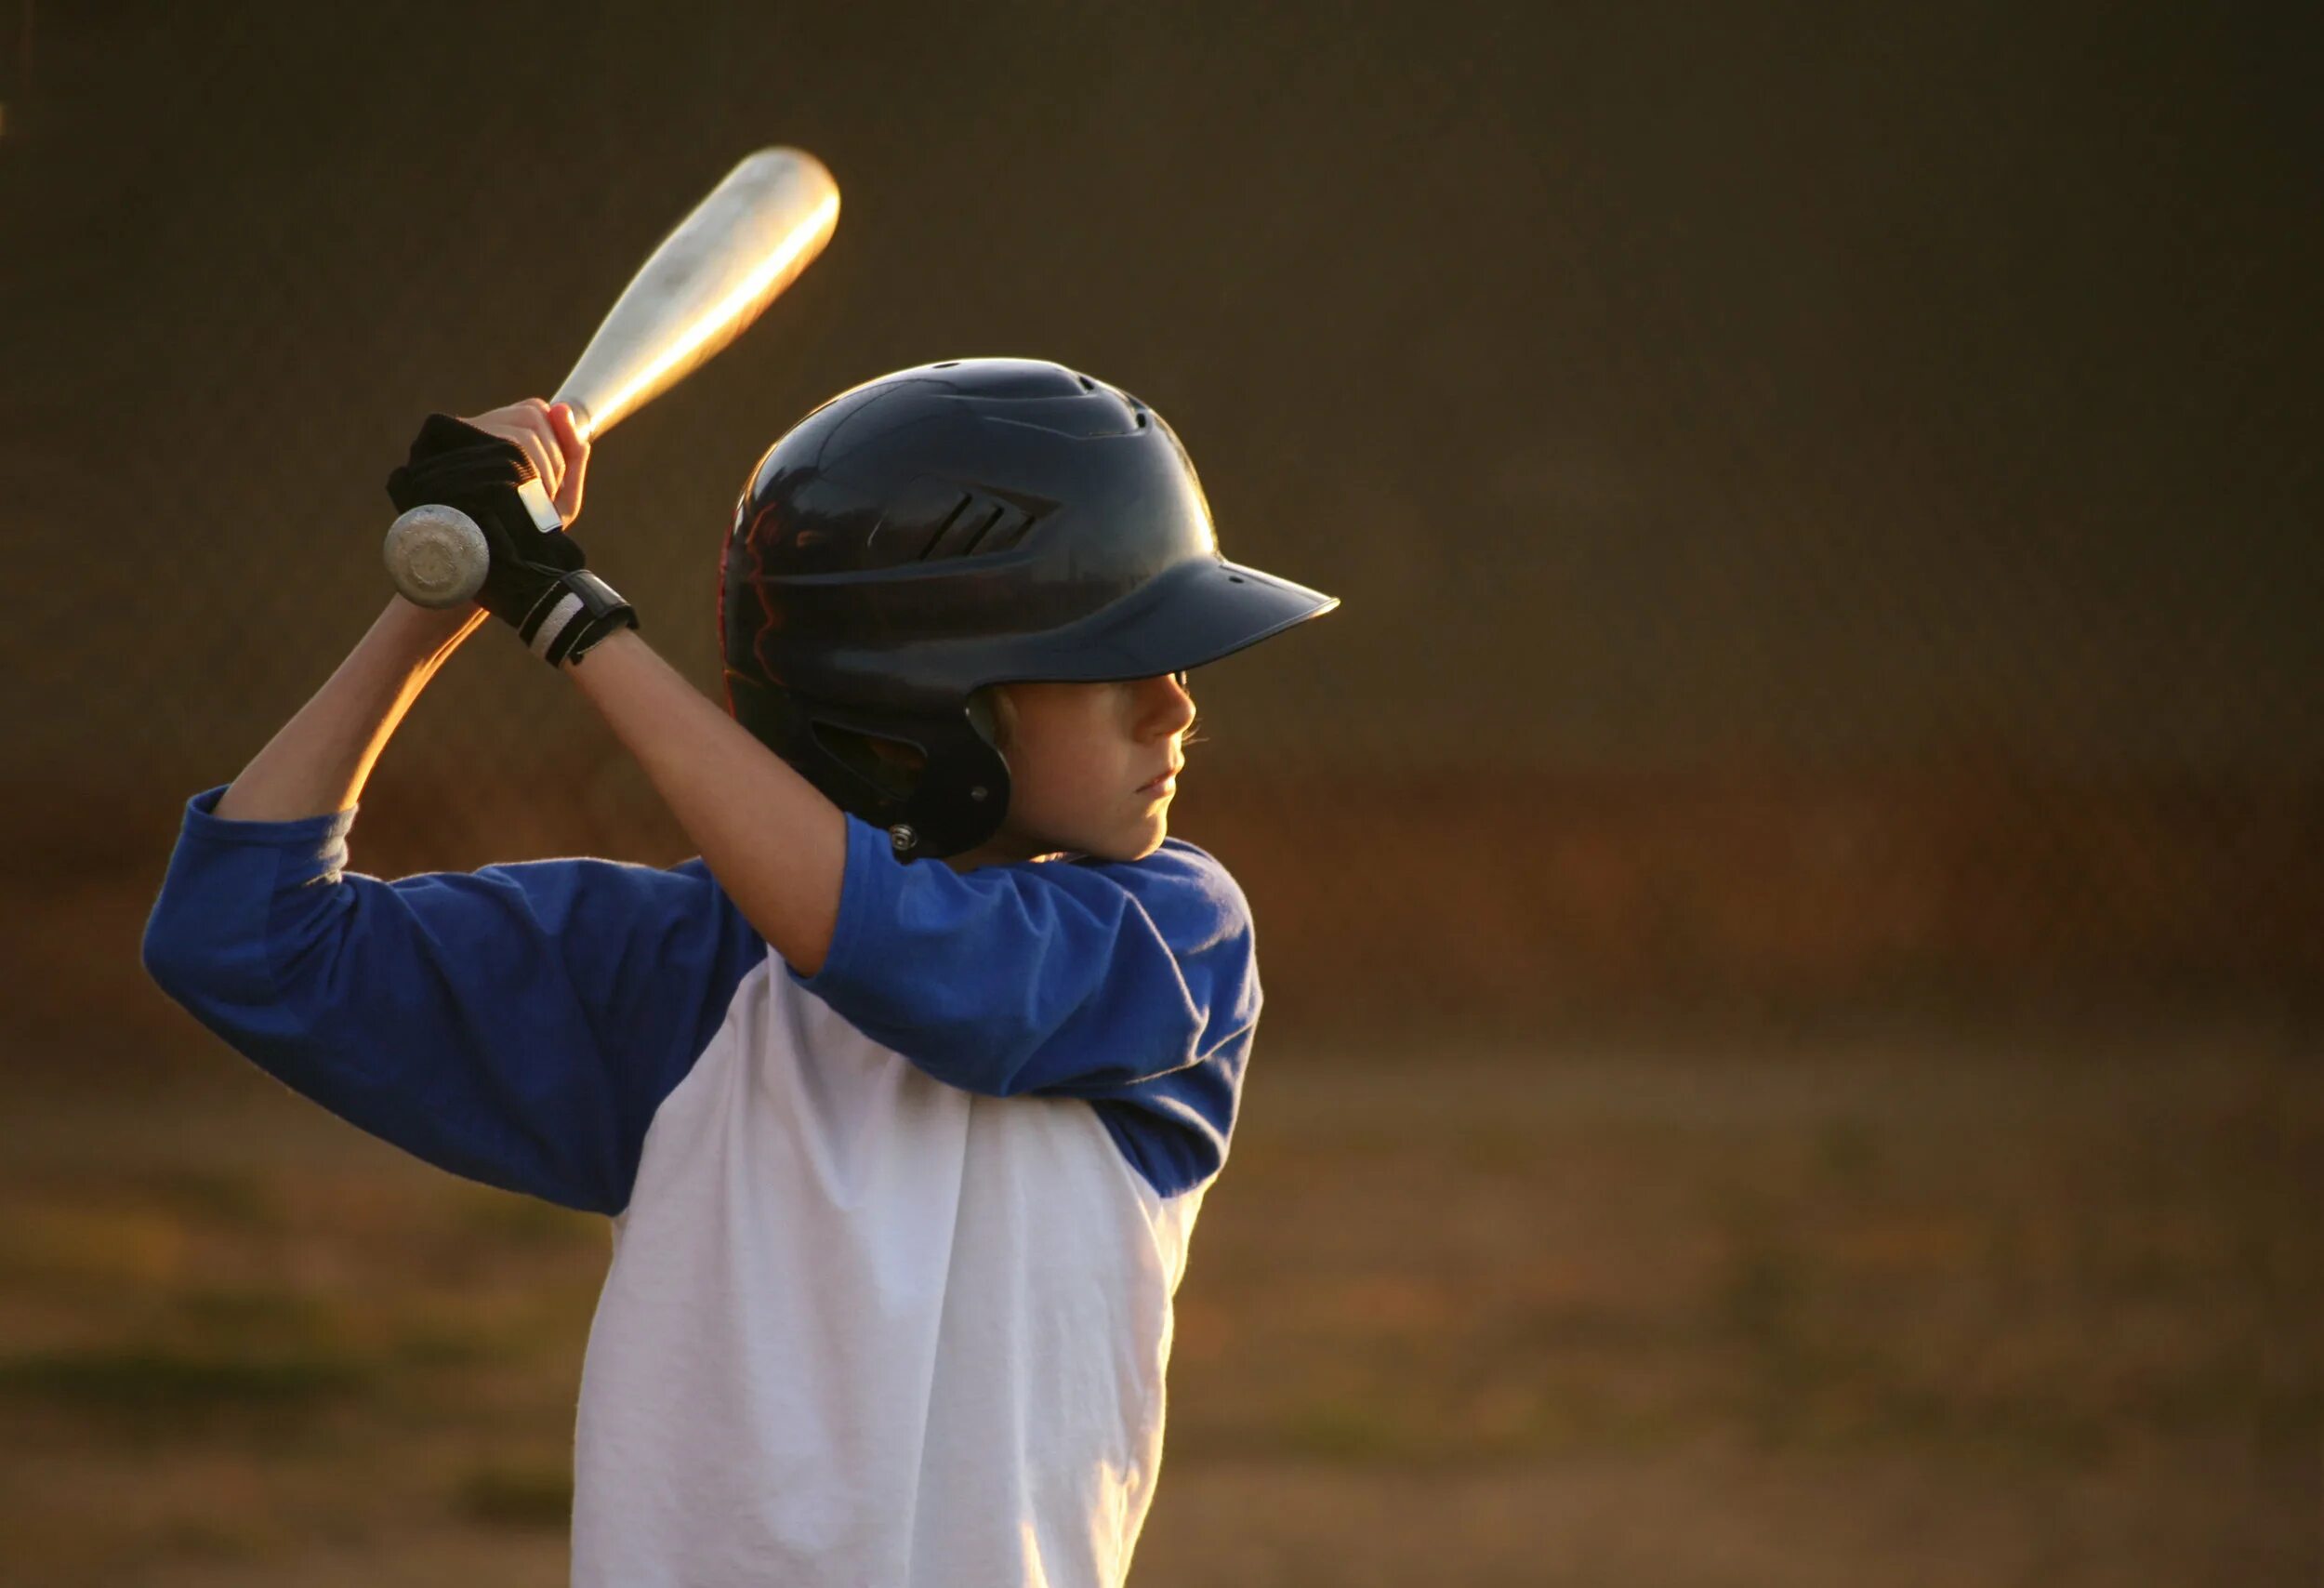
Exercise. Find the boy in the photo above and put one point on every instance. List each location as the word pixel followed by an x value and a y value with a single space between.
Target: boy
pixel 904 1096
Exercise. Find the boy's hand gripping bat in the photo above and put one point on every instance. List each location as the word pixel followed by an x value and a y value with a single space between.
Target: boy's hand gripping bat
pixel 745 243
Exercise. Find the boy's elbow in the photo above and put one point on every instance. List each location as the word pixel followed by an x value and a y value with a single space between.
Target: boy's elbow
pixel 997 1055
pixel 183 963
pixel 982 1068
pixel 195 963
pixel 169 950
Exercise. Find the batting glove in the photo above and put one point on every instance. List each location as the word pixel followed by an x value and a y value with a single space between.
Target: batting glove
pixel 538 582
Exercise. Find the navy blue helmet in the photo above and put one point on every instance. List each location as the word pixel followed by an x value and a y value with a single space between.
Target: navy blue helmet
pixel 960 524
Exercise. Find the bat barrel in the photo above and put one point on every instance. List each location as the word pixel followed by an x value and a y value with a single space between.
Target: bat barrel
pixel 747 241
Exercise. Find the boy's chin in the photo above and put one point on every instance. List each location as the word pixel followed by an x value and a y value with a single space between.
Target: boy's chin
pixel 1146 843
pixel 1127 844
pixel 1122 848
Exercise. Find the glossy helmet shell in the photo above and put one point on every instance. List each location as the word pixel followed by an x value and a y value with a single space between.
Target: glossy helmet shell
pixel 960 524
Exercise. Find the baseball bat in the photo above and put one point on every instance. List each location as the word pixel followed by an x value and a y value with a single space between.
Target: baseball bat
pixel 745 243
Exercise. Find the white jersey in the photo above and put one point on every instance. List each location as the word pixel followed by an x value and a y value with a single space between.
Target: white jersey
pixel 968 1390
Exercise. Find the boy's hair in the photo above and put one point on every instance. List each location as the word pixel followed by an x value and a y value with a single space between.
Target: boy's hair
pixel 925 536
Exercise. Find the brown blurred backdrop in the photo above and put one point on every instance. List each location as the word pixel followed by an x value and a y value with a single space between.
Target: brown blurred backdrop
pixel 1787 894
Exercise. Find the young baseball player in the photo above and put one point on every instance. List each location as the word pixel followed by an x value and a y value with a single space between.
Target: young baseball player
pixel 904 1096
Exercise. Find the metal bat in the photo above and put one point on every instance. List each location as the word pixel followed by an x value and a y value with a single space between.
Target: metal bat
pixel 742 244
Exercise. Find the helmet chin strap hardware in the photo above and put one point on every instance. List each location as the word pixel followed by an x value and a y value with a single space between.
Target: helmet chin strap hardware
pixel 902 838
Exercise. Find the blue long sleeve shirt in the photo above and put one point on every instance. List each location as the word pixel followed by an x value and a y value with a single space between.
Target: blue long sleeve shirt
pixel 519 1025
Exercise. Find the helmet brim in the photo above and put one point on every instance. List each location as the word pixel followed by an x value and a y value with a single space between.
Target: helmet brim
pixel 1186 618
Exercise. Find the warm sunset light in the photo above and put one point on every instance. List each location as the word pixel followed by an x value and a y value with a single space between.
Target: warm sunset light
pixel 706 1005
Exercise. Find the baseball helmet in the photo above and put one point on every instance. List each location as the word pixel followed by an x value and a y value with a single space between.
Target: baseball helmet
pixel 957 525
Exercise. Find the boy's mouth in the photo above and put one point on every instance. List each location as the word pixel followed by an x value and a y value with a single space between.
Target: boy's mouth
pixel 1163 781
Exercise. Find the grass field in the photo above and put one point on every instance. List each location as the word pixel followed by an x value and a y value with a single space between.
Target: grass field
pixel 1864 1309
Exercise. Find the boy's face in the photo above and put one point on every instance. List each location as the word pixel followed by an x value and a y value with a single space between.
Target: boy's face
pixel 1084 760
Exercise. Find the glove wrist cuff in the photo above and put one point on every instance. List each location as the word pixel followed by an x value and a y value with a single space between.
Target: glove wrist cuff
pixel 572 616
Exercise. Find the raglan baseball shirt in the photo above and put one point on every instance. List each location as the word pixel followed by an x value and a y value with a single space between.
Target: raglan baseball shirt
pixel 893 1245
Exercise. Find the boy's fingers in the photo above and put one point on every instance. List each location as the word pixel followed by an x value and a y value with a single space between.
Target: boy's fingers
pixel 527 424
pixel 547 460
pixel 530 431
pixel 568 437
pixel 576 460
pixel 548 437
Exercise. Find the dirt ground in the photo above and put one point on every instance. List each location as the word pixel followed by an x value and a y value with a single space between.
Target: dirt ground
pixel 1864 1308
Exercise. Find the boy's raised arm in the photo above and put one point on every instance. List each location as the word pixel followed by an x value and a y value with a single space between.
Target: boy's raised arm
pixel 775 844
pixel 519 1024
pixel 317 764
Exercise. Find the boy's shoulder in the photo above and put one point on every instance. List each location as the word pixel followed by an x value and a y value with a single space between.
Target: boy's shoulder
pixel 1175 857
pixel 1187 873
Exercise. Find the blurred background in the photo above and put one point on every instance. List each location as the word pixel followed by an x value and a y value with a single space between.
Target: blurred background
pixel 1787 894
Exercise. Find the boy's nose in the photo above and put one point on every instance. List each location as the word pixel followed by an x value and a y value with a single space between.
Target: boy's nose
pixel 1175 701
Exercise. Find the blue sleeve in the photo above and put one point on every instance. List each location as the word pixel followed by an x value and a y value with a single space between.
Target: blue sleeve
pixel 518 1025
pixel 1134 986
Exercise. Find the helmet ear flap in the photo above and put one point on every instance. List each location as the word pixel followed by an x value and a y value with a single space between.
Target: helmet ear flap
pixel 956 800
pixel 888 768
pixel 962 795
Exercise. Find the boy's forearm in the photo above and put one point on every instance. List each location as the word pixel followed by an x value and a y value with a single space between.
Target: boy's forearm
pixel 318 763
pixel 775 844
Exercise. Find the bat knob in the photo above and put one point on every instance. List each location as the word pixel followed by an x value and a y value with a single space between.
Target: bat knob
pixel 436 556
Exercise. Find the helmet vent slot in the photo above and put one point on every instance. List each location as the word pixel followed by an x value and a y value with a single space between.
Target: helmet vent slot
pixel 977 524
pixel 1007 531
pixel 963 529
